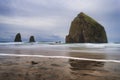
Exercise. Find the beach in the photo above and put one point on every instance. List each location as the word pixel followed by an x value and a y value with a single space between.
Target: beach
pixel 59 62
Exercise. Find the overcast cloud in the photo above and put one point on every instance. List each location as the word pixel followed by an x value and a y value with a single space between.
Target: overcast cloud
pixel 51 19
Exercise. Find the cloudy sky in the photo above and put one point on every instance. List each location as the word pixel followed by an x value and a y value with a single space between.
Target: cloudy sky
pixel 51 19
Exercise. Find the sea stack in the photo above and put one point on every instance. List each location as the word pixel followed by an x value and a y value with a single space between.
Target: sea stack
pixel 32 39
pixel 84 29
pixel 18 38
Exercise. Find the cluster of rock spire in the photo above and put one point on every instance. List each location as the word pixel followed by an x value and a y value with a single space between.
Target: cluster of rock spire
pixel 83 29
pixel 18 38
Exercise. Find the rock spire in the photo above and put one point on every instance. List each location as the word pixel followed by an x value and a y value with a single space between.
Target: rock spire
pixel 84 29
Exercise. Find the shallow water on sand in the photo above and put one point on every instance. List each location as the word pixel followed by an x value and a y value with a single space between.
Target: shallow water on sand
pixel 51 61
pixel 87 50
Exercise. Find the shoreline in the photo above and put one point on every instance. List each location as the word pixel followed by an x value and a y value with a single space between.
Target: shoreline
pixel 59 57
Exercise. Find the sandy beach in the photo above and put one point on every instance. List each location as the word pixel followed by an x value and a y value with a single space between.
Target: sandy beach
pixel 30 68
pixel 67 65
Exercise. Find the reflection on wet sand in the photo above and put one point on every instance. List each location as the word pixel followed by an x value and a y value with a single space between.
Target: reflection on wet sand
pixel 92 70
pixel 85 65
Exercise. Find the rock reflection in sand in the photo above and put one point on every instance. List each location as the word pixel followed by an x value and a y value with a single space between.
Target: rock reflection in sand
pixel 92 70
pixel 85 65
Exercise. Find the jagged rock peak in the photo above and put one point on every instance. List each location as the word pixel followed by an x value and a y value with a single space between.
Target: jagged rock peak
pixel 18 38
pixel 85 29
pixel 81 14
pixel 32 39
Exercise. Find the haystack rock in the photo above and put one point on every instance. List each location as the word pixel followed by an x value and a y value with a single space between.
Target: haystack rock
pixel 84 29
pixel 18 38
pixel 32 39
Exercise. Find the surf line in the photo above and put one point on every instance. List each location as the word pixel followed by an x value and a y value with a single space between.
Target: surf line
pixel 59 57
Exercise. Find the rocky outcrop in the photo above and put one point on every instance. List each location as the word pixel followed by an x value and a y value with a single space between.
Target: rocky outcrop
pixel 18 38
pixel 84 29
pixel 32 39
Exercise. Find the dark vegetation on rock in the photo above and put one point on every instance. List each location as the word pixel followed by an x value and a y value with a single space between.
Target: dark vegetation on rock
pixel 84 29
pixel 18 38
pixel 32 39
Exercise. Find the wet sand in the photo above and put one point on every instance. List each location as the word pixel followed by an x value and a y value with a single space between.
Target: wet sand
pixel 31 68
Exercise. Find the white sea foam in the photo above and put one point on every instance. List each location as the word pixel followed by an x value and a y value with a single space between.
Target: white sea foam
pixel 52 44
pixel 59 57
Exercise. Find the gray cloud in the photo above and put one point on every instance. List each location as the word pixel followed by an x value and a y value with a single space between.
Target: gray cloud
pixel 51 17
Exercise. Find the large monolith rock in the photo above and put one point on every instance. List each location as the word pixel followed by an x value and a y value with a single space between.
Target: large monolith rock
pixel 18 38
pixel 32 39
pixel 84 29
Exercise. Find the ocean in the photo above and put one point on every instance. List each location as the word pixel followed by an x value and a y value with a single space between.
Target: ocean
pixel 111 51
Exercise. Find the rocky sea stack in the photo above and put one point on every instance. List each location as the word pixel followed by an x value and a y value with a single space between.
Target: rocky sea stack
pixel 18 38
pixel 32 39
pixel 84 29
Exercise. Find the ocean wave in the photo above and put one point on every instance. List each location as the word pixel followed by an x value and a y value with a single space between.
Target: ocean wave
pixel 59 57
pixel 93 47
